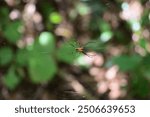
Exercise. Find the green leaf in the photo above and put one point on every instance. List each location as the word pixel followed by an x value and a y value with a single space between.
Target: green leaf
pixel 145 66
pixel 126 63
pixel 41 65
pixel 67 53
pixel 139 86
pixel 143 43
pixel 4 16
pixel 83 9
pixel 55 18
pixel 46 43
pixel 106 36
pixel 22 57
pixel 11 80
pixel 42 69
pixel 11 31
pixel 46 8
pixel 145 18
pixel 104 26
pixel 94 45
pixel 6 55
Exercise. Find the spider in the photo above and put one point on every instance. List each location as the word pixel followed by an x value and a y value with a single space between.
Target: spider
pixel 82 49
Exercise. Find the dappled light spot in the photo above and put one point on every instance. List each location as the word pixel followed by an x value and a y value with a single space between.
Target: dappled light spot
pixel 80 61
pixel 125 6
pixel 37 18
pixel 45 38
pixel 140 50
pixel 115 91
pixel 29 40
pixel 102 87
pixel 26 41
pixel 83 60
pixel 146 33
pixel 30 8
pixel 115 50
pixel 73 14
pixel 135 37
pixel 11 2
pixel 135 26
pixel 106 36
pixel 14 14
pixel 98 60
pixel 148 47
pixel 94 71
pixel 114 94
pixel 64 30
pixel 28 13
pixel 20 44
pixel 111 80
pixel 83 9
pixel 131 11
pixel 111 72
pixel 114 85
pixel 55 17
pixel 98 73
pixel 123 80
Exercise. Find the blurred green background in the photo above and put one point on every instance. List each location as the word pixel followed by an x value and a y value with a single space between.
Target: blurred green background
pixel 38 61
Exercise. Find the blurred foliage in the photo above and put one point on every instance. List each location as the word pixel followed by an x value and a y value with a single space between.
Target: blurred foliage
pixel 6 56
pixel 67 53
pixel 11 80
pixel 11 31
pixel 126 63
pixel 39 39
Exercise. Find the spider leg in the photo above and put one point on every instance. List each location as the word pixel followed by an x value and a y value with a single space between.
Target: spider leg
pixel 89 43
pixel 91 56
